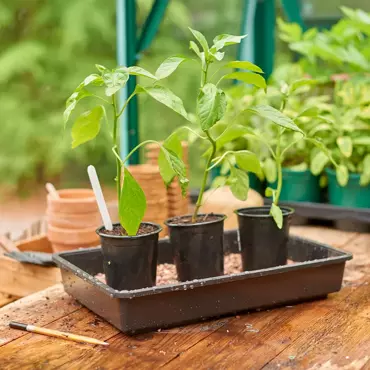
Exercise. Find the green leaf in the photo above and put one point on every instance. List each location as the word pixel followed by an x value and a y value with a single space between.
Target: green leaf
pixel 168 67
pixel 138 71
pixel 275 116
pixel 270 170
pixel 72 102
pixel 309 112
pixel 247 77
pixel 166 97
pixel 345 145
pixel 218 55
pixel 132 204
pixel 101 68
pixel 171 164
pixel 365 176
pixel 300 83
pixel 232 132
pixel 225 40
pixel 248 161
pixel 172 143
pixel 94 79
pixel 211 105
pixel 218 182
pixel 342 175
pixel 362 140
pixel 115 81
pixel 239 183
pixel 243 64
pixel 277 215
pixel 318 163
pixel 87 126
pixel 201 56
pixel 201 39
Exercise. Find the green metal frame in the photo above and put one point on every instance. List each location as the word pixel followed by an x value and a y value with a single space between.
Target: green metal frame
pixel 128 53
pixel 259 18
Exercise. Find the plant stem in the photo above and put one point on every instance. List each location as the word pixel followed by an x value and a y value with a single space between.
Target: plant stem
pixel 279 157
pixel 279 169
pixel 137 147
pixel 126 103
pixel 118 163
pixel 210 158
pixel 205 177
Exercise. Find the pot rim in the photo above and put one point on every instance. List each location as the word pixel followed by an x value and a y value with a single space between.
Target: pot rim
pixel 287 211
pixel 221 216
pixel 159 229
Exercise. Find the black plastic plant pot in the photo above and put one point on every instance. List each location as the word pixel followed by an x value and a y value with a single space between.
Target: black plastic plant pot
pixel 198 247
pixel 262 243
pixel 130 262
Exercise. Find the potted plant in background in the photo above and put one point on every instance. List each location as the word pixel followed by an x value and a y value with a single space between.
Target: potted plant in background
pixel 130 249
pixel 198 238
pixel 331 54
pixel 346 132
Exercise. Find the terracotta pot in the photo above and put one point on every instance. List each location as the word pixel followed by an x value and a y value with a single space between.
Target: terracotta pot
pixel 73 201
pixel 67 239
pixel 72 219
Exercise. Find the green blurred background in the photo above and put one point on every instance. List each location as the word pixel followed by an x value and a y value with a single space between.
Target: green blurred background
pixel 48 47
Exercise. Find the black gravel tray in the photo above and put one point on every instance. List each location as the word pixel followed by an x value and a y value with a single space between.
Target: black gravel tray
pixel 317 271
pixel 343 218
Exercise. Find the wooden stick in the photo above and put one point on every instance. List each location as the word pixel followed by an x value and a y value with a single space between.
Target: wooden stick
pixel 51 190
pixel 7 245
pixel 55 333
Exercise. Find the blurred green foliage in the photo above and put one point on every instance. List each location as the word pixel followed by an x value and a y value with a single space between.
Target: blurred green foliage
pixel 47 47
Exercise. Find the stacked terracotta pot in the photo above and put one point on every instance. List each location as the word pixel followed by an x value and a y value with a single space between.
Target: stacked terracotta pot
pixel 150 180
pixel 177 204
pixel 72 219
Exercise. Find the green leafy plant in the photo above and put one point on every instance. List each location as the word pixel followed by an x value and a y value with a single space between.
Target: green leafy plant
pixel 342 49
pixel 211 106
pixel 103 87
pixel 281 125
pixel 345 130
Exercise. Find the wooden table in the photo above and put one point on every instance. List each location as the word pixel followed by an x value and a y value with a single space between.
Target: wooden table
pixel 329 334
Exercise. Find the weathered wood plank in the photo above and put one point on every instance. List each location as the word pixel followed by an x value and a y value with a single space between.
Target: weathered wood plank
pixel 235 346
pixel 309 333
pixel 23 279
pixel 40 308
pixel 143 351
pixel 6 299
pixel 341 340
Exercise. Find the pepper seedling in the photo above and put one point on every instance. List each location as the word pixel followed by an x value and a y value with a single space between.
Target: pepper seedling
pixel 108 83
pixel 284 124
pixel 211 106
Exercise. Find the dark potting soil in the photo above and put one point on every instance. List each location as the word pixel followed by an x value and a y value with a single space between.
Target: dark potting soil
pixel 187 220
pixel 120 231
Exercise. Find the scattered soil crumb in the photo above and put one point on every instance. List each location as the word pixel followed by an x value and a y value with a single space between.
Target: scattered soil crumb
pixel 167 275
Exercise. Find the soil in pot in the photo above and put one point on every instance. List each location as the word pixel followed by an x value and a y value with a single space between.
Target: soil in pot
pixel 262 243
pixel 130 262
pixel 299 186
pixel 198 247
pixel 351 195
